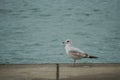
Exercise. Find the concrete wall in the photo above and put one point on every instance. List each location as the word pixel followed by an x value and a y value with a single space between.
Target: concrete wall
pixel 66 72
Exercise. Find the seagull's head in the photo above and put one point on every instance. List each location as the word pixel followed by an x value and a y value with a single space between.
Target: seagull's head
pixel 67 42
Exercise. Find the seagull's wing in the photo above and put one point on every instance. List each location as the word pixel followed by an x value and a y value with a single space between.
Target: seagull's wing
pixel 75 52
pixel 76 49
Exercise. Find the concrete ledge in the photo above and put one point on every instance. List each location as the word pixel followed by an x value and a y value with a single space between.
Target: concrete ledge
pixel 66 71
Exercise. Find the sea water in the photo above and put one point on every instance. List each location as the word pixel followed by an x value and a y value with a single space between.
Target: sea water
pixel 32 31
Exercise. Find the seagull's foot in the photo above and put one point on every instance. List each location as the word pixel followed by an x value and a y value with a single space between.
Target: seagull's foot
pixel 74 64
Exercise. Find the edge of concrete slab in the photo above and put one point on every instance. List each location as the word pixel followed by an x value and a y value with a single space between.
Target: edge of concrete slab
pixel 82 71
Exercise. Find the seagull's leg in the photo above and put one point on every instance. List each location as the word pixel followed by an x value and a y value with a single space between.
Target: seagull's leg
pixel 74 62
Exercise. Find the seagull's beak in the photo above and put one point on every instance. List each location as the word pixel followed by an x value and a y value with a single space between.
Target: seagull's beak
pixel 63 42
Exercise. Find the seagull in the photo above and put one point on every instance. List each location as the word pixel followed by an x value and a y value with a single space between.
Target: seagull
pixel 74 52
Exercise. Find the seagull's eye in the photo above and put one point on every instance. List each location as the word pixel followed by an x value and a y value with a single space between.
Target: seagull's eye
pixel 68 41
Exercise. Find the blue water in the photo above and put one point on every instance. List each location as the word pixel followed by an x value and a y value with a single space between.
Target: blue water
pixel 32 31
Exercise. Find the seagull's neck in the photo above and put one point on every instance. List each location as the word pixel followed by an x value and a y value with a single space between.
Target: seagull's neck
pixel 68 47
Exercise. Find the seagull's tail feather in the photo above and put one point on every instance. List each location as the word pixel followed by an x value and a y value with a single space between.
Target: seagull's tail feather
pixel 92 57
pixel 89 56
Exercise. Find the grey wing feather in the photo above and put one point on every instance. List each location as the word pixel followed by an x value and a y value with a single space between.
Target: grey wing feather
pixel 79 54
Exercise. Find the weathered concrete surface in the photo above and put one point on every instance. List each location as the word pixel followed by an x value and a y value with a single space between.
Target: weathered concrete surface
pixel 67 72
